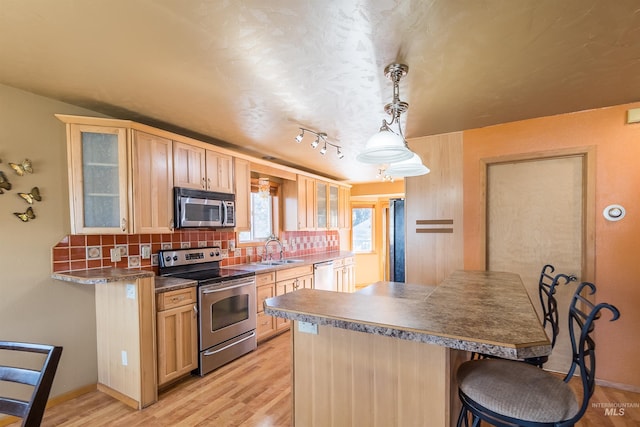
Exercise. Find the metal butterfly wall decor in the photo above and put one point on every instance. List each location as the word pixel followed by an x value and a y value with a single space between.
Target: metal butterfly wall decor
pixel 27 215
pixel 33 195
pixel 4 183
pixel 22 168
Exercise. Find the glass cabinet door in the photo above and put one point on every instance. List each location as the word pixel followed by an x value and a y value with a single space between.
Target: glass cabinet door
pixel 98 166
pixel 321 204
pixel 333 206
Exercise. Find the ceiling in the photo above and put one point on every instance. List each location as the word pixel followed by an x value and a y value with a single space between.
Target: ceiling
pixel 250 72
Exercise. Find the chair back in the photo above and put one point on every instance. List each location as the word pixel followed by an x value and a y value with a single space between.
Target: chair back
pixel 546 290
pixel 582 315
pixel 41 380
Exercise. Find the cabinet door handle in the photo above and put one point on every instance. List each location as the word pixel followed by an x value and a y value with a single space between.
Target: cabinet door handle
pixel 195 309
pixel 208 183
pixel 204 184
pixel 124 224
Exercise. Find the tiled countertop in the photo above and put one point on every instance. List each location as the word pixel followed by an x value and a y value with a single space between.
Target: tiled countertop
pixel 487 312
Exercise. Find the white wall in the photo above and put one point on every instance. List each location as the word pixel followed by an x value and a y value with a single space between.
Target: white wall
pixel 34 307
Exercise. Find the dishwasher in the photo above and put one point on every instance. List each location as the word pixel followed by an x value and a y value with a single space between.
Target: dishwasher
pixel 323 276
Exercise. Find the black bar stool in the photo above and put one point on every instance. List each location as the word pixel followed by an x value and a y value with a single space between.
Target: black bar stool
pixel 508 393
pixel 546 290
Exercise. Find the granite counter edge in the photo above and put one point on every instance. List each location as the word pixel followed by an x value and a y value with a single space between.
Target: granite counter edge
pixel 412 335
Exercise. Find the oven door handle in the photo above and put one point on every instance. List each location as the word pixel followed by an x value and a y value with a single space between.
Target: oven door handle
pixel 210 353
pixel 226 288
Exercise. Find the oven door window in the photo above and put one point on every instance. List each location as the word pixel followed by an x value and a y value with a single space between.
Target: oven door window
pixel 229 311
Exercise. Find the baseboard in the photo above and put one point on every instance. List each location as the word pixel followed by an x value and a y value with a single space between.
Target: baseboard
pixel 619 386
pixel 61 398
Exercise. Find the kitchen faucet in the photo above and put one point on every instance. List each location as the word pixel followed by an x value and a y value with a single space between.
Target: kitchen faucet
pixel 270 239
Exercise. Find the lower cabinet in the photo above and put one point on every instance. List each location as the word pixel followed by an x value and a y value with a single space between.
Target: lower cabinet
pixel 344 274
pixel 177 334
pixel 126 347
pixel 265 288
pixel 279 283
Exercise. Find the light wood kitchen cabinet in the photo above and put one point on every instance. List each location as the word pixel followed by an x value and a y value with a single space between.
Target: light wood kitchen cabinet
pixel 334 206
pixel 313 204
pixel 219 172
pixel 152 183
pixel 344 207
pixel 242 179
pixel 322 202
pixel 265 288
pixel 177 334
pixel 98 181
pixel 300 204
pixel 344 274
pixel 126 341
pixel 189 166
pixel 201 169
pixel 289 280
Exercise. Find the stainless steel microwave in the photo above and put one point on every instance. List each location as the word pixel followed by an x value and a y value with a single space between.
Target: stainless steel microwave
pixel 203 209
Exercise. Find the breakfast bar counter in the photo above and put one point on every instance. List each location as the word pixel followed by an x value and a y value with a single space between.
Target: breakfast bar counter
pixel 387 355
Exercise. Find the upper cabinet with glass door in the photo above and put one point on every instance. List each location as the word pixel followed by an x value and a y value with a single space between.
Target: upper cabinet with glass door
pixel 98 179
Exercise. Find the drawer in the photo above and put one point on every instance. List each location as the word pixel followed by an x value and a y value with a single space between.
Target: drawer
pixel 337 263
pixel 348 260
pixel 177 298
pixel 265 325
pixel 265 278
pixel 290 273
pixel 262 293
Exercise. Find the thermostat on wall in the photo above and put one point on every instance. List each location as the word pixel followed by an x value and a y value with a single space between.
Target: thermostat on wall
pixel 614 213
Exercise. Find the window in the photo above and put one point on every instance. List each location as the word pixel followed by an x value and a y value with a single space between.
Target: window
pixel 263 214
pixel 362 228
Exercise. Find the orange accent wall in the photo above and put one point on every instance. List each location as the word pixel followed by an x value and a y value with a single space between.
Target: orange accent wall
pixel 617 244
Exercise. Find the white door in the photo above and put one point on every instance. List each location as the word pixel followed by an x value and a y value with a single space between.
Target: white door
pixel 535 217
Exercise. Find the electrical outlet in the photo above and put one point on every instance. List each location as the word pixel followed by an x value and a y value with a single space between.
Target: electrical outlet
pixel 115 255
pixel 308 328
pixel 125 362
pixel 145 251
pixel 131 291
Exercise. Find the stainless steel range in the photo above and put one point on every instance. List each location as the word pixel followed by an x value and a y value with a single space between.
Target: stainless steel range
pixel 226 304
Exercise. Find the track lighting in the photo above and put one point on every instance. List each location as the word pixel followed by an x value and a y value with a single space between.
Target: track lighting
pixel 321 137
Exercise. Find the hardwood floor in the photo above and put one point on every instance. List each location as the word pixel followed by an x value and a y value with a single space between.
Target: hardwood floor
pixel 255 390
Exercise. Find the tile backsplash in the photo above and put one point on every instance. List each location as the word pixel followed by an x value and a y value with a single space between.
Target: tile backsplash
pixel 81 252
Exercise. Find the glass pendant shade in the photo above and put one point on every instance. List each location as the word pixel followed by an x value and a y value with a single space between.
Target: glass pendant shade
pixel 384 147
pixel 411 167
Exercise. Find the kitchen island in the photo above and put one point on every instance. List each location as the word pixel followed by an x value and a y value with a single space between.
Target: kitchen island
pixel 387 355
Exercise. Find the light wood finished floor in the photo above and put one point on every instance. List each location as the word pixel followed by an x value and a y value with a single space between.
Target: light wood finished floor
pixel 254 390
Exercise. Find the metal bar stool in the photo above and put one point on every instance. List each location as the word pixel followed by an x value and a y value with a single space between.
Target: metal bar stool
pixel 546 290
pixel 508 393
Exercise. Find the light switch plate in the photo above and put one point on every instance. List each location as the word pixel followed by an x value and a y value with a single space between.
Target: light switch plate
pixel 308 328
pixel 633 115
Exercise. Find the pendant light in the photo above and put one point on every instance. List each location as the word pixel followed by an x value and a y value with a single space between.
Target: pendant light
pixel 388 146
pixel 410 167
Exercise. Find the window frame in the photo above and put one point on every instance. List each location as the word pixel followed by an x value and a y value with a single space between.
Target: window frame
pixel 372 207
pixel 275 189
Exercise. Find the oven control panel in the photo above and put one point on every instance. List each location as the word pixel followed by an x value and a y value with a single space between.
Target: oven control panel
pixel 178 257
